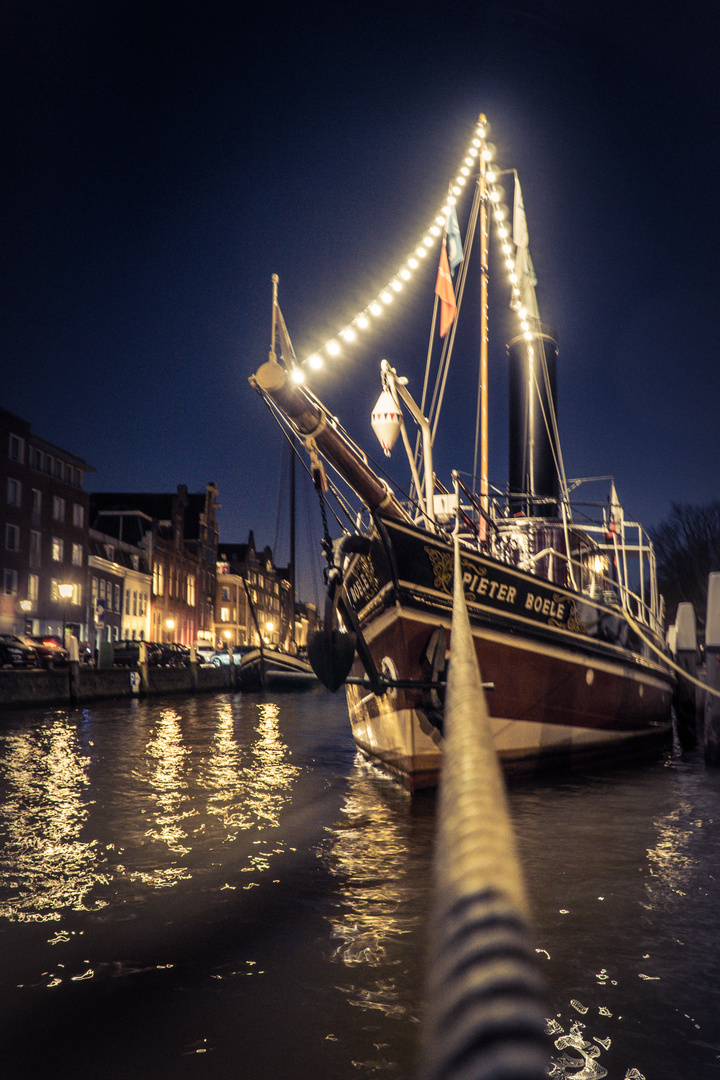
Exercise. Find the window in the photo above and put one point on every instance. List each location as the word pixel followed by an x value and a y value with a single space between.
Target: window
pixel 77 555
pixel 135 606
pixel 158 579
pixel 78 515
pixel 116 597
pixel 68 474
pixel 58 508
pixel 36 459
pixel 48 465
pixel 16 449
pixel 224 614
pixel 14 491
pixel 110 552
pixel 12 538
pixel 127 601
pixel 10 582
pixel 33 588
pixel 58 469
pixel 94 588
pixel 35 542
pixel 36 503
pixel 57 549
pixel 191 590
pixel 225 593
pixel 102 588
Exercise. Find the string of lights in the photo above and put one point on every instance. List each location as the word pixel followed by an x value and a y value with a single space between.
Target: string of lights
pixel 385 297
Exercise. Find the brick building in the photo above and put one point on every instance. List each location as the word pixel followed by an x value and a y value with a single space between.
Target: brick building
pixel 43 533
pixel 178 534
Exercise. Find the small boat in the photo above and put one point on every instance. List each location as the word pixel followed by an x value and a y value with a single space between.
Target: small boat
pixel 272 669
pixel 562 596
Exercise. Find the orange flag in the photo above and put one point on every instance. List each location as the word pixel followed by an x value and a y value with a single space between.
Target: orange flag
pixel 444 289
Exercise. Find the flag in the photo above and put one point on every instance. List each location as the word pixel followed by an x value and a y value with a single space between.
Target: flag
pixel 286 349
pixel 616 515
pixel 521 237
pixel 454 243
pixel 444 289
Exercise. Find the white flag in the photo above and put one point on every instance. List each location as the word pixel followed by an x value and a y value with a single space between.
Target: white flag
pixel 520 229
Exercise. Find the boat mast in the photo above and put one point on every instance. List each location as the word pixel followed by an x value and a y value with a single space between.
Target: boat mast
pixel 484 251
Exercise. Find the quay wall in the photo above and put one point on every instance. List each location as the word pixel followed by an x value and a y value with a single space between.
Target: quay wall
pixel 76 684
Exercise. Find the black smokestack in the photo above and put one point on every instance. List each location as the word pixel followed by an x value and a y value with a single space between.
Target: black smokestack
pixel 534 459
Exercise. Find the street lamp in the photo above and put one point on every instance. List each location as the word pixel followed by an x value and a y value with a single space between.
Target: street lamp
pixel 170 625
pixel 66 592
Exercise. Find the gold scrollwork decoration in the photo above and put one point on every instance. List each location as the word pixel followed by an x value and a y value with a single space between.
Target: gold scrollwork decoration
pixel 442 565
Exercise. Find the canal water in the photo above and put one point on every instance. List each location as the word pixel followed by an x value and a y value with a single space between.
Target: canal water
pixel 219 887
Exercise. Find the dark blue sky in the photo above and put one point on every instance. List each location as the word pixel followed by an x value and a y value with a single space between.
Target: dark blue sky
pixel 162 160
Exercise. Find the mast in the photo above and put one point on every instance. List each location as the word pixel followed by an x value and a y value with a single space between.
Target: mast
pixel 484 250
pixel 292 540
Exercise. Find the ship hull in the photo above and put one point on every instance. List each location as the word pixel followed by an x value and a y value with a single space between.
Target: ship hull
pixel 566 679
pixel 274 670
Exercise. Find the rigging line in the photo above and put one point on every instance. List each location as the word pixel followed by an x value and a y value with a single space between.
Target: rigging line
pixel 555 437
pixel 469 237
pixel 551 440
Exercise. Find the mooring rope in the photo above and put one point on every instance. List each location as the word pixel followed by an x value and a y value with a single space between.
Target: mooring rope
pixel 486 1012
pixel 666 659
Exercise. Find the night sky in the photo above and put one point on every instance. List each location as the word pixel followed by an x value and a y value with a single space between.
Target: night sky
pixel 162 160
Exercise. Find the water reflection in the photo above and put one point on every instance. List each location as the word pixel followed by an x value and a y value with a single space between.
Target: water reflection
pixel 168 784
pixel 45 866
pixel 379 901
pixel 672 866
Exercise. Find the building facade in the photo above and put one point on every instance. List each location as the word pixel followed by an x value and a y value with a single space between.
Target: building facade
pixel 177 535
pixel 254 599
pixel 120 584
pixel 44 533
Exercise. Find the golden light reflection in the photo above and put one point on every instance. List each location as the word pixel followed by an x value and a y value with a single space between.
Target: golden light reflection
pixel 672 867
pixel 266 780
pixel 377 901
pixel 168 791
pixel 45 866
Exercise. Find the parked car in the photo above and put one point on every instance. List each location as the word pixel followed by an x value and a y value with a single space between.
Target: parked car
pixel 127 653
pixel 50 650
pixel 174 655
pixel 222 657
pixel 204 652
pixel 165 654
pixel 15 654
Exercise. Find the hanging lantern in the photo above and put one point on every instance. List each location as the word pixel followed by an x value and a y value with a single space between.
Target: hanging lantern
pixel 386 421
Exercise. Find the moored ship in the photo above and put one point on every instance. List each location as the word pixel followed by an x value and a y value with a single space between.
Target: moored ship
pixel 561 595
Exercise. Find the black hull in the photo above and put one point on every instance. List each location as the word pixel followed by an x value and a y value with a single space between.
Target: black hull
pixel 570 679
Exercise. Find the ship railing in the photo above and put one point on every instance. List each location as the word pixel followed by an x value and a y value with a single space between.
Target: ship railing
pixel 485 1015
pixel 625 546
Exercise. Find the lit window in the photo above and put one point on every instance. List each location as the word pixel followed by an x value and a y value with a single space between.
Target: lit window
pixel 57 549
pixel 33 587
pixel 224 614
pixel 77 555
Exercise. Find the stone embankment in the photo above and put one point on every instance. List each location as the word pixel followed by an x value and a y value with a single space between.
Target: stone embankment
pixel 78 683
